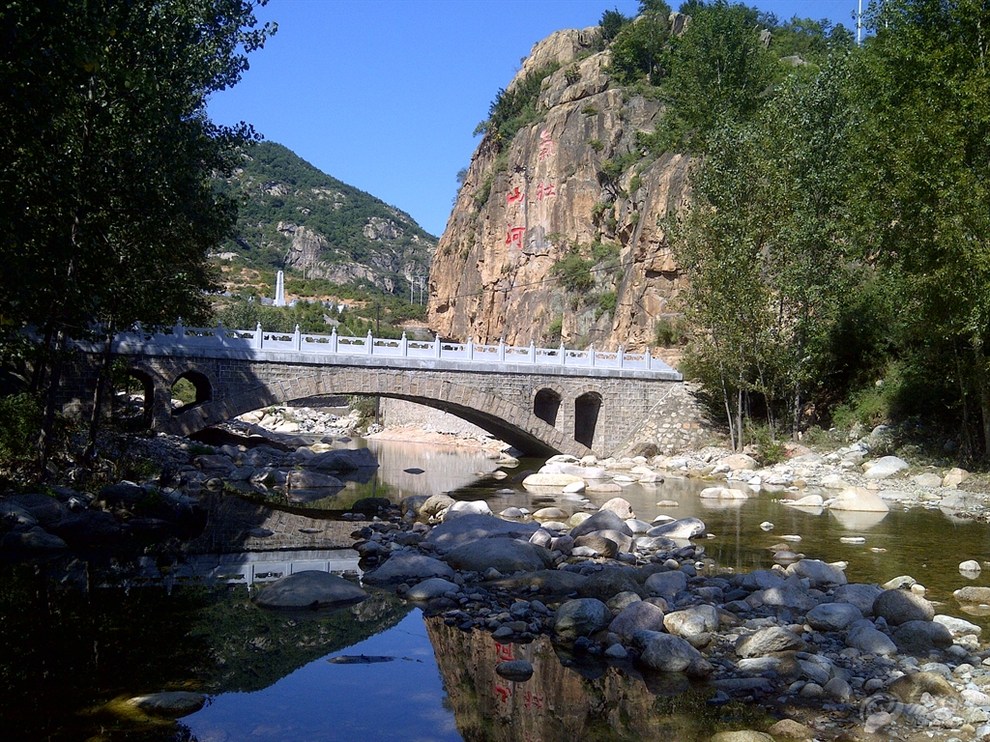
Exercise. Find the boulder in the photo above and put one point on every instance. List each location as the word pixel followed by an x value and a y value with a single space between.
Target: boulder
pixel 900 606
pixel 668 653
pixel 342 460
pixel 859 499
pixel 640 616
pixel 507 555
pixel 169 704
pixel 620 506
pixel 768 640
pixel 472 527
pixel 722 493
pixel 860 595
pixel 921 637
pixel 666 584
pixel 430 588
pixel 460 508
pixel 408 566
pixel 309 589
pixel 885 467
pixel 868 639
pixel 683 528
pixel 603 520
pixel 549 480
pixel 518 671
pixel 581 617
pixel 972 594
pixel 818 572
pixel 694 624
pixel 833 616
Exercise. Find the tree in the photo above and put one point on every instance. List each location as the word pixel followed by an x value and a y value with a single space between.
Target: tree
pixel 719 71
pixel 764 250
pixel 925 192
pixel 611 22
pixel 108 191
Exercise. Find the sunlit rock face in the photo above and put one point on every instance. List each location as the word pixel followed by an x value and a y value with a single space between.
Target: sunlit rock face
pixel 527 203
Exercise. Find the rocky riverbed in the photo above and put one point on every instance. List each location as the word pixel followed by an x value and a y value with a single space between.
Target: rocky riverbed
pixel 827 659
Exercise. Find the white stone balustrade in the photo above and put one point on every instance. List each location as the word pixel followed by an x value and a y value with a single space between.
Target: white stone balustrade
pixel 205 341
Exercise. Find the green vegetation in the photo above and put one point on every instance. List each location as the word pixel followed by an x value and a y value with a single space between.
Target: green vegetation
pixel 574 273
pixel 279 193
pixel 515 107
pixel 109 166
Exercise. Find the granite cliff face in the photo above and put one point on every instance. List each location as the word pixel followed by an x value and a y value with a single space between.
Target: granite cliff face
pixel 572 191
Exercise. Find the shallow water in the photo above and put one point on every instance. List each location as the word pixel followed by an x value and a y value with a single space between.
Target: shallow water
pixel 71 646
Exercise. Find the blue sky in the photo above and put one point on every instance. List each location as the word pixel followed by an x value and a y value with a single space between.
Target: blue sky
pixel 385 94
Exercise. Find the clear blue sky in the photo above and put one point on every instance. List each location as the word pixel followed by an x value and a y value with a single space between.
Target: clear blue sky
pixel 385 94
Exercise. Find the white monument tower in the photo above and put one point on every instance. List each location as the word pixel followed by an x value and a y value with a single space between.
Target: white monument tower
pixel 280 289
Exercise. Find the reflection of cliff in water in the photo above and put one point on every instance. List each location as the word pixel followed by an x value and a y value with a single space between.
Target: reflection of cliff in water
pixel 558 702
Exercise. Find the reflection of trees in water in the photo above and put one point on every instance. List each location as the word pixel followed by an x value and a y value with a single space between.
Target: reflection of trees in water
pixel 563 703
pixel 67 649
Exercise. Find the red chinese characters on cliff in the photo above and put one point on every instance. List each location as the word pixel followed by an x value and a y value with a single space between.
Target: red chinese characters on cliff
pixel 544 190
pixel 548 148
pixel 515 196
pixel 514 236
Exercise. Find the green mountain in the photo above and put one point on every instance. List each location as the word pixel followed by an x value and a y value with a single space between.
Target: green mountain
pixel 298 219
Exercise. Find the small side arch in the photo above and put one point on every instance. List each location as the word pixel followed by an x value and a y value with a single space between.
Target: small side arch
pixel 586 410
pixel 190 390
pixel 133 398
pixel 546 405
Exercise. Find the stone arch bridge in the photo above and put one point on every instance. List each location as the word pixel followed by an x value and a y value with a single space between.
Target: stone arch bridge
pixel 540 400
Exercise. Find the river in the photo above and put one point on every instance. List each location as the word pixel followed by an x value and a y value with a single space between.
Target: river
pixel 80 637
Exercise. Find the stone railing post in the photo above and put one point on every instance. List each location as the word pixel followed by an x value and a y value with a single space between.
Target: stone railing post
pixel 620 356
pixel 219 333
pixel 259 337
pixel 370 343
pixel 470 349
pixel 563 353
pixel 333 340
pixel 403 345
pixel 297 339
pixel 436 346
pixel 501 350
pixel 648 360
pixel 179 330
pixel 532 351
pixel 591 354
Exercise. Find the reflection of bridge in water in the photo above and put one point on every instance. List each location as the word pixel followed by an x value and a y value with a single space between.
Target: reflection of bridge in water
pixel 540 400
pixel 249 567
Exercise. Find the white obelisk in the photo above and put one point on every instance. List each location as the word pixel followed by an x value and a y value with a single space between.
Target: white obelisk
pixel 280 289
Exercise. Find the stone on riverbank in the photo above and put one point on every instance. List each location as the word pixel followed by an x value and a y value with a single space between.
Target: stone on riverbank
pixel 504 554
pixel 169 704
pixel 581 617
pixel 310 589
pixel 900 606
pixel 408 566
pixel 858 499
pixel 668 653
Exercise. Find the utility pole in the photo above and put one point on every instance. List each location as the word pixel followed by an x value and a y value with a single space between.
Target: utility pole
pixel 859 24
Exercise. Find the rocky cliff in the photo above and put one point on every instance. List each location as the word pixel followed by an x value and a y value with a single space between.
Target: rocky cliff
pixel 554 235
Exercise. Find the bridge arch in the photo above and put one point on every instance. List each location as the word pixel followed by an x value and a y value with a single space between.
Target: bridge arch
pixel 546 404
pixel 587 407
pixel 201 384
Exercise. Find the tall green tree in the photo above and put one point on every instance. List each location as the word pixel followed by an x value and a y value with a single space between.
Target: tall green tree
pixel 109 204
pixel 720 70
pixel 924 85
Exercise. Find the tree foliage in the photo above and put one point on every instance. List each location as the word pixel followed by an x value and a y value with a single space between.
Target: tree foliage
pixel 108 189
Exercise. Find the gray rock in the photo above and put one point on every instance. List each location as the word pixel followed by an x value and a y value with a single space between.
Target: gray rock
pixel 170 704
pixel 343 460
pixel 581 617
pixel 518 671
pixel 639 616
pixel 610 581
pixel 667 653
pixel 466 529
pixel 972 594
pixel 958 627
pixel 433 587
pixel 899 606
pixel 768 640
pixel 833 616
pixel 603 520
pixel 694 624
pixel 307 479
pixel 504 554
pixel 434 506
pixel 545 582
pixel 886 467
pixel 820 573
pixel 599 545
pixel 310 589
pixel 921 637
pixel 34 538
pixel 408 566
pixel 870 640
pixel 666 584
pixel 684 528
pixel 857 594
pixel 620 506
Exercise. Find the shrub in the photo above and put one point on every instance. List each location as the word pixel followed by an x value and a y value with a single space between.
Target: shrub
pixel 21 415
pixel 670 331
pixel 574 273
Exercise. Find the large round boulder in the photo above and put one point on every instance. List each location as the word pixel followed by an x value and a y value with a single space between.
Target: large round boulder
pixel 504 554
pixel 900 606
pixel 581 617
pixel 310 589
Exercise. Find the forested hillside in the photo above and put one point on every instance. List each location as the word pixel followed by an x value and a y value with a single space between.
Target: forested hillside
pixel 294 217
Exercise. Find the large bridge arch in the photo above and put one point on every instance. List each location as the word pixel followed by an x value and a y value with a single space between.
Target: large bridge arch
pixel 503 417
